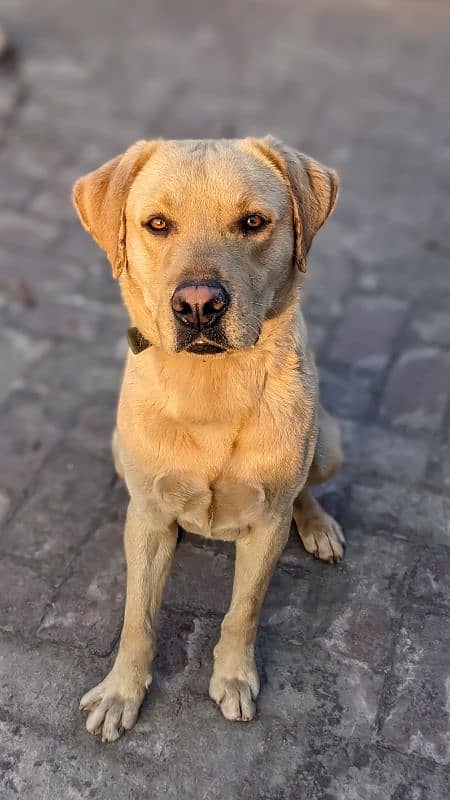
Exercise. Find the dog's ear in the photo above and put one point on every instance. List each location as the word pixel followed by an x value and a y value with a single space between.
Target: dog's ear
pixel 313 190
pixel 100 198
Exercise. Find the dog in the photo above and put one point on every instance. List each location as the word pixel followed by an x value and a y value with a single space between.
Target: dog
pixel 219 426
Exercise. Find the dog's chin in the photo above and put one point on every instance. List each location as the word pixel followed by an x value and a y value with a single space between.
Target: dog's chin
pixel 211 343
pixel 207 347
pixel 200 348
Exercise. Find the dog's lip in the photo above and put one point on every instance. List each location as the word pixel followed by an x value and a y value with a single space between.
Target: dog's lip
pixel 204 347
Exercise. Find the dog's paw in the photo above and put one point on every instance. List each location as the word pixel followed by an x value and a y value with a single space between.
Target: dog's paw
pixel 113 707
pixel 322 536
pixel 235 695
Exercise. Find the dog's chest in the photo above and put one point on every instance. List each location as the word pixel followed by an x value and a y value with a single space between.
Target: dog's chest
pixel 222 511
pixel 213 479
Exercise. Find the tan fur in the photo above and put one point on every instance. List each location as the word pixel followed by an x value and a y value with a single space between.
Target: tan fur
pixel 224 445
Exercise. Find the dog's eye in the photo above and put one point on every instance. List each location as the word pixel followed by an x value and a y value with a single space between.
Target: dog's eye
pixel 157 225
pixel 252 223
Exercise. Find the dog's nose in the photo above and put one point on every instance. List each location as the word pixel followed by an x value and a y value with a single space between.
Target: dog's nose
pixel 200 304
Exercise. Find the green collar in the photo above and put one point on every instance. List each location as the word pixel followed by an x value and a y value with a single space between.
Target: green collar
pixel 138 343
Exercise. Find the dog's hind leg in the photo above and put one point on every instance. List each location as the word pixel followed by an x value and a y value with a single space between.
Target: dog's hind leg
pixel 116 454
pixel 321 534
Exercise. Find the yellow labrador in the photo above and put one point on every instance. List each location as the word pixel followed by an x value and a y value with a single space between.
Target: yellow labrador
pixel 219 427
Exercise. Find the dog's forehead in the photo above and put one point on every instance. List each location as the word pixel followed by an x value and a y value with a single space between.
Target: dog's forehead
pixel 223 170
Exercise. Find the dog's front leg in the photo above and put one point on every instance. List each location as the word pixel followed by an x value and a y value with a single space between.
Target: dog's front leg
pixel 234 683
pixel 114 704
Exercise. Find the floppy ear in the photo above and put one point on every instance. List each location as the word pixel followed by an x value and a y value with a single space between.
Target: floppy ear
pixel 100 199
pixel 313 190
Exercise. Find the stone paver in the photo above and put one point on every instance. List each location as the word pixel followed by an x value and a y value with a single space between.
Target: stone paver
pixel 354 661
pixel 418 696
pixel 368 330
pixel 416 395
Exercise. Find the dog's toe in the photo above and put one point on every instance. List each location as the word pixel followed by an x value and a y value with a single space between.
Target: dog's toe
pixel 112 716
pixel 235 699
pixel 323 538
pixel 235 695
pixel 113 707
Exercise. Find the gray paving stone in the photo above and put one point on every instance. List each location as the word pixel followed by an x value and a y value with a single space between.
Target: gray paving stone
pixel 324 285
pixel 75 367
pixel 417 515
pixel 430 581
pixel 355 772
pixel 95 424
pixel 59 514
pixel 23 597
pixel 347 393
pixel 374 451
pixel 66 69
pixel 431 326
pixel 26 437
pixel 35 765
pixel 54 203
pixel 15 188
pixel 337 699
pixel 87 610
pixel 46 274
pixel 417 390
pixel 367 332
pixel 8 97
pixel 439 466
pixel 417 702
pixel 201 577
pixel 100 285
pixel 5 505
pixel 77 243
pixel 58 321
pixel 32 157
pixel 18 351
pixel 411 280
pixel 317 335
pixel 351 610
pixel 31 232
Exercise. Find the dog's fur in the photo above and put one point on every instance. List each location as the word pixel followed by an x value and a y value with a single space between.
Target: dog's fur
pixel 224 445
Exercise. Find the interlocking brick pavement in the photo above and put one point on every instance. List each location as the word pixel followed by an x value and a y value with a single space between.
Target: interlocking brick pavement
pixel 354 660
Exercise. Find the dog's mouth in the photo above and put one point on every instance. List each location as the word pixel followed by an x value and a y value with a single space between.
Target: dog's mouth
pixel 203 347
pixel 202 343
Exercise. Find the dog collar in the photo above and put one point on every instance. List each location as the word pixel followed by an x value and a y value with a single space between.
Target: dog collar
pixel 137 342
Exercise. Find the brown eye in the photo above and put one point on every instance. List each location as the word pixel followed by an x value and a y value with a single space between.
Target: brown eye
pixel 252 223
pixel 157 225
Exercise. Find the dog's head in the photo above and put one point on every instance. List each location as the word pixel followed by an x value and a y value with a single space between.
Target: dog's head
pixel 206 237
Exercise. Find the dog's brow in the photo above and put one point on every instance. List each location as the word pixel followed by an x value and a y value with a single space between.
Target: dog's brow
pixel 168 200
pixel 249 203
pixel 239 206
pixel 161 204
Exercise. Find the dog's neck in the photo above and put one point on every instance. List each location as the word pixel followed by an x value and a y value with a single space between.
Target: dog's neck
pixel 220 388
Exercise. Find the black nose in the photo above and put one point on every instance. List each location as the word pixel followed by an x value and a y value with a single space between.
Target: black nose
pixel 200 304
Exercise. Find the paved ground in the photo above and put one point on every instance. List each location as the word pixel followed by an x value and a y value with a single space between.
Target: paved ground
pixel 355 660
